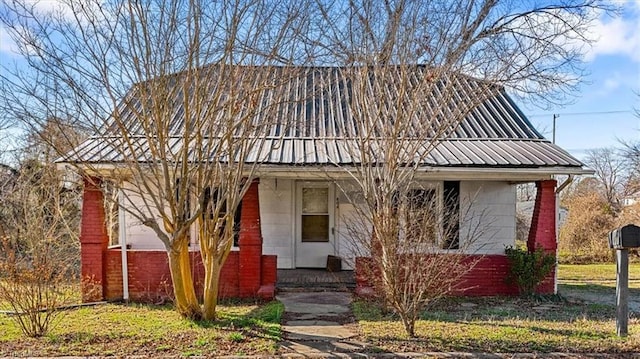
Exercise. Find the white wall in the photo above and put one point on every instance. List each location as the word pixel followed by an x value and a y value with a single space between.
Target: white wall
pixel 488 216
pixel 276 218
pixel 139 236
pixel 488 208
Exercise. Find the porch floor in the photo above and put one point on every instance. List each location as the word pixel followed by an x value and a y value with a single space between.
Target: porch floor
pixel 315 279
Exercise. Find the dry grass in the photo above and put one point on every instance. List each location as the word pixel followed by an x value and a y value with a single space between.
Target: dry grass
pixel 544 324
pixel 596 273
pixel 119 330
pixel 501 325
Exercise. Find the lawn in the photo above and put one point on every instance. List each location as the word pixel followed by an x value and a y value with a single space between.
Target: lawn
pixel 118 330
pixel 498 324
pixel 501 325
pixel 601 274
pixel 593 280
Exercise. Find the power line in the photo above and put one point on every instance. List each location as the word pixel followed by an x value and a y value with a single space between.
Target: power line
pixel 580 113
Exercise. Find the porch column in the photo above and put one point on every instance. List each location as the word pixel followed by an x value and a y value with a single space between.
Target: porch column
pixel 543 228
pixel 93 241
pixel 543 222
pixel 250 243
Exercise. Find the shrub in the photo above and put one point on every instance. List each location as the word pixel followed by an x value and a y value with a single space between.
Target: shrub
pixel 37 261
pixel 528 269
pixel 583 236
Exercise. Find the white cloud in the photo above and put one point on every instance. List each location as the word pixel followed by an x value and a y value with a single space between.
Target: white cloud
pixel 51 7
pixel 7 45
pixel 611 84
pixel 617 36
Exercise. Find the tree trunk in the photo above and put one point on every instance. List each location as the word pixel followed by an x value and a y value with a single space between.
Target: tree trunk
pixel 211 283
pixel 409 325
pixel 183 288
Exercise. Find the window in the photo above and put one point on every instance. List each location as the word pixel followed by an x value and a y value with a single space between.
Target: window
pixel 187 200
pixel 210 201
pixel 111 211
pixel 451 222
pixel 432 216
pixel 315 214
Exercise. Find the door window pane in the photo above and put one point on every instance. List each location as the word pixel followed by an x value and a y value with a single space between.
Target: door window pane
pixel 315 200
pixel 315 228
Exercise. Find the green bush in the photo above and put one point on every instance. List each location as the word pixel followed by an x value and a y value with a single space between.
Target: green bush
pixel 528 269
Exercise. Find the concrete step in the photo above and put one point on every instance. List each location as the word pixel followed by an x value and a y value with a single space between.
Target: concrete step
pixel 318 287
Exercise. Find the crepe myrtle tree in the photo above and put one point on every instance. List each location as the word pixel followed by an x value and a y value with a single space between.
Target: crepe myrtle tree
pixel 167 87
pixel 416 69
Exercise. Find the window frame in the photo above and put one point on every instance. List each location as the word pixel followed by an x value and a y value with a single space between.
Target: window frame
pixel 237 218
pixel 441 206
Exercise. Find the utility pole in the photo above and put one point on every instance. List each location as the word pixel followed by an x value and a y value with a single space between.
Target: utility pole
pixel 555 116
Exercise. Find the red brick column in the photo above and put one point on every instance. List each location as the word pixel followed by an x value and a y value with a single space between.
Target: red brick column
pixel 93 241
pixel 543 223
pixel 250 243
pixel 543 227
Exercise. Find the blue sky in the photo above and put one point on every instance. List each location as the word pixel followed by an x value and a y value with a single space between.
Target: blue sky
pixel 603 111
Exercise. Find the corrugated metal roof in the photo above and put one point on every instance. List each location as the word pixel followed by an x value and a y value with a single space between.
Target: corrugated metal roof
pixel 316 123
pixel 296 152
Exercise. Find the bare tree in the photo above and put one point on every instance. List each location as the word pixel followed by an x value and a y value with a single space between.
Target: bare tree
pixel 39 241
pixel 174 82
pixel 583 236
pixel 611 171
pixel 422 258
pixel 415 70
pixel 631 154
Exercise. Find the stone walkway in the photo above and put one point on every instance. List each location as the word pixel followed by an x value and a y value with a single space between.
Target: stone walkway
pixel 319 324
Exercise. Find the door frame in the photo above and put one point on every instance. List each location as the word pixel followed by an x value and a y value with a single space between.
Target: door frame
pixel 297 223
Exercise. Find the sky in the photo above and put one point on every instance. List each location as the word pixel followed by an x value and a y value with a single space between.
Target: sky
pixel 604 111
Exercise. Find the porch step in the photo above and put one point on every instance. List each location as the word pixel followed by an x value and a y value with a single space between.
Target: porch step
pixel 314 280
pixel 289 288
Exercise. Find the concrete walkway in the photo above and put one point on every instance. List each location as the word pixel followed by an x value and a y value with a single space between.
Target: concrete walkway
pixel 319 324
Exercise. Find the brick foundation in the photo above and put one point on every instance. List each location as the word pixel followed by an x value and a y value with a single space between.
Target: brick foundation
pixel 486 278
pixel 150 280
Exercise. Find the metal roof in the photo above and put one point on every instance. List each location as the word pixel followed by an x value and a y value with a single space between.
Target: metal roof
pixel 316 124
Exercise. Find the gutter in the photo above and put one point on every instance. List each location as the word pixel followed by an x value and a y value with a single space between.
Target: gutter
pixel 565 184
pixel 122 238
pixel 560 188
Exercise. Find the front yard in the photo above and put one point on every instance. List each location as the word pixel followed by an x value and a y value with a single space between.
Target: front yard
pixel 118 330
pixel 501 325
pixel 581 320
pixel 582 324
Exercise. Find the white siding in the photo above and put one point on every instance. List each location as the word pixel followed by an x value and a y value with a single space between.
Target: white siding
pixel 139 236
pixel 488 216
pixel 276 218
pixel 487 223
pixel 347 224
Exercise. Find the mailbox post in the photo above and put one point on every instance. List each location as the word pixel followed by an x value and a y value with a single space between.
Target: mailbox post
pixel 621 240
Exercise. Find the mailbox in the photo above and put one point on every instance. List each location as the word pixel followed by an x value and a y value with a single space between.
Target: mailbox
pixel 625 237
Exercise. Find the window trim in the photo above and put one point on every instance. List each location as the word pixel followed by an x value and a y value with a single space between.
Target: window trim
pixel 439 187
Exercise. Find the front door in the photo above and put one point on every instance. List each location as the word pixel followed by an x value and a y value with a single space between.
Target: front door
pixel 314 224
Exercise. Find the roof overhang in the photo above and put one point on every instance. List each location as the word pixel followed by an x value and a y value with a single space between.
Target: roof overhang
pixel 513 174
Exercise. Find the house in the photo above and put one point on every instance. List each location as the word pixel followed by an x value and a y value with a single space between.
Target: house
pixel 494 148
